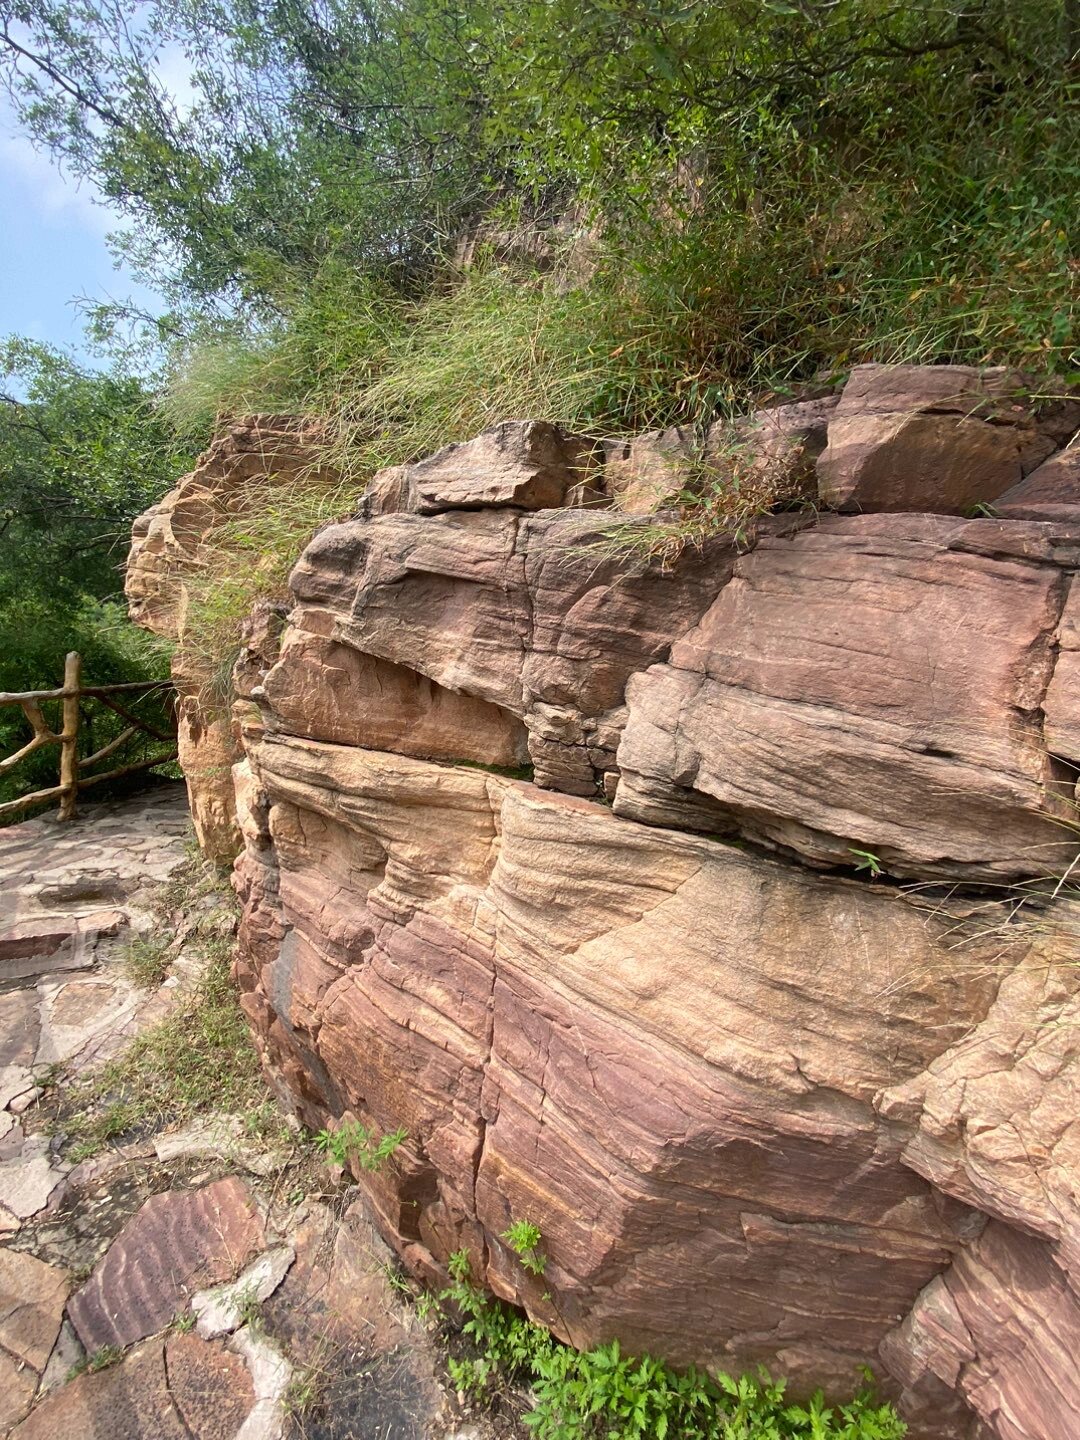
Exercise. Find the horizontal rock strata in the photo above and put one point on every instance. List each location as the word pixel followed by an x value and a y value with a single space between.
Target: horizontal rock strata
pixel 578 857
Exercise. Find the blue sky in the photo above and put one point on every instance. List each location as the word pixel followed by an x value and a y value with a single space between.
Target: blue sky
pixel 52 247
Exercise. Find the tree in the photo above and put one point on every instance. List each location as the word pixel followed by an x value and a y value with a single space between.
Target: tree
pixel 81 453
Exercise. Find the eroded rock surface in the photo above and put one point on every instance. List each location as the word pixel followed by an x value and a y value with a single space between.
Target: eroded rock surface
pixel 675 1079
pixel 764 1104
pixel 168 552
pixel 178 1243
pixel 486 636
pixel 908 660
pixel 939 438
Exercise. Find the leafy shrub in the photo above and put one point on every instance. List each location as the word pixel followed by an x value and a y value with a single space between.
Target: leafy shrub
pixel 355 1142
pixel 603 1393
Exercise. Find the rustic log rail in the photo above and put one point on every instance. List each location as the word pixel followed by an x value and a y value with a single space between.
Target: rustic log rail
pixel 71 693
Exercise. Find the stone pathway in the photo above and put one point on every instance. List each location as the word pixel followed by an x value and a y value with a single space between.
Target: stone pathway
pixel 189 1285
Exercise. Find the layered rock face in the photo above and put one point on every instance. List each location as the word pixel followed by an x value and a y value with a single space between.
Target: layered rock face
pixel 168 554
pixel 582 862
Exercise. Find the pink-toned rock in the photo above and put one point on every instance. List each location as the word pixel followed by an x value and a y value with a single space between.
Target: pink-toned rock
pixel 646 473
pixel 873 684
pixel 169 548
pixel 998 1329
pixel 997 1118
pixel 649 472
pixel 32 1296
pixel 1050 491
pixel 509 1001
pixel 938 438
pixel 210 1388
pixel 1061 707
pixel 760 1113
pixel 207 752
pixel 527 614
pixel 328 690
pixel 262 641
pixel 179 1242
pixel 167 539
pixel 181 1388
pixel 995 1123
pixel 527 464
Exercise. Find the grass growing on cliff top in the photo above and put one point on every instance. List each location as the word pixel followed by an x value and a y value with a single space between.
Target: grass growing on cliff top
pixel 726 207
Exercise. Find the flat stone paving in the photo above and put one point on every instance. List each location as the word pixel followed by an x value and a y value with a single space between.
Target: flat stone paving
pixel 191 1284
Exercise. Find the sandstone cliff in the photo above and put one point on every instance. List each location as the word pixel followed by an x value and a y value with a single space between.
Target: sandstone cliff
pixel 691 906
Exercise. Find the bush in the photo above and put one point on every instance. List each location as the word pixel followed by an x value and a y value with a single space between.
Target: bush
pixel 597 1393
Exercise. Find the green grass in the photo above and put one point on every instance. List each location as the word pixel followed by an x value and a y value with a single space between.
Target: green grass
pixel 147 960
pixel 920 223
pixel 101 1359
pixel 198 1060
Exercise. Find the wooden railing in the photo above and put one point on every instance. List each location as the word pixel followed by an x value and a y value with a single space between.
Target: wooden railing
pixel 73 767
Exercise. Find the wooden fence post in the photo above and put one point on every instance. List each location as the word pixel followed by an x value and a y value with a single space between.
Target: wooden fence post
pixel 69 737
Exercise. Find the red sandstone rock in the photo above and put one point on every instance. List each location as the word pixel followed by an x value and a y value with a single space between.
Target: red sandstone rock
pixel 527 464
pixel 167 549
pixel 871 684
pixel 1061 706
pixel 507 615
pixel 616 1033
pixel 938 438
pixel 1051 491
pixel 648 472
pixel 758 1113
pixel 32 1296
pixel 998 1328
pixel 178 1389
pixel 179 1242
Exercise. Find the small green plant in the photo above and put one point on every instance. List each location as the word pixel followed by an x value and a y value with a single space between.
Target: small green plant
pixel 524 1238
pixel 147 960
pixel 602 1394
pixel 183 1322
pixel 304 1392
pixel 101 1359
pixel 395 1279
pixel 867 860
pixel 353 1141
pixel 249 1309
pixel 428 1306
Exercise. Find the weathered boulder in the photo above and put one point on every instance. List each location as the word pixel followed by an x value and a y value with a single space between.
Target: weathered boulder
pixel 872 684
pixel 997 1126
pixel 168 552
pixel 760 1112
pixel 654 1046
pixel 998 1330
pixel 650 472
pixel 1050 492
pixel 166 540
pixel 1061 705
pixel 528 464
pixel 938 438
pixel 454 635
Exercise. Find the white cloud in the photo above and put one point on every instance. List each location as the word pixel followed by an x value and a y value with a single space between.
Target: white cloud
pixel 53 194
pixel 172 70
